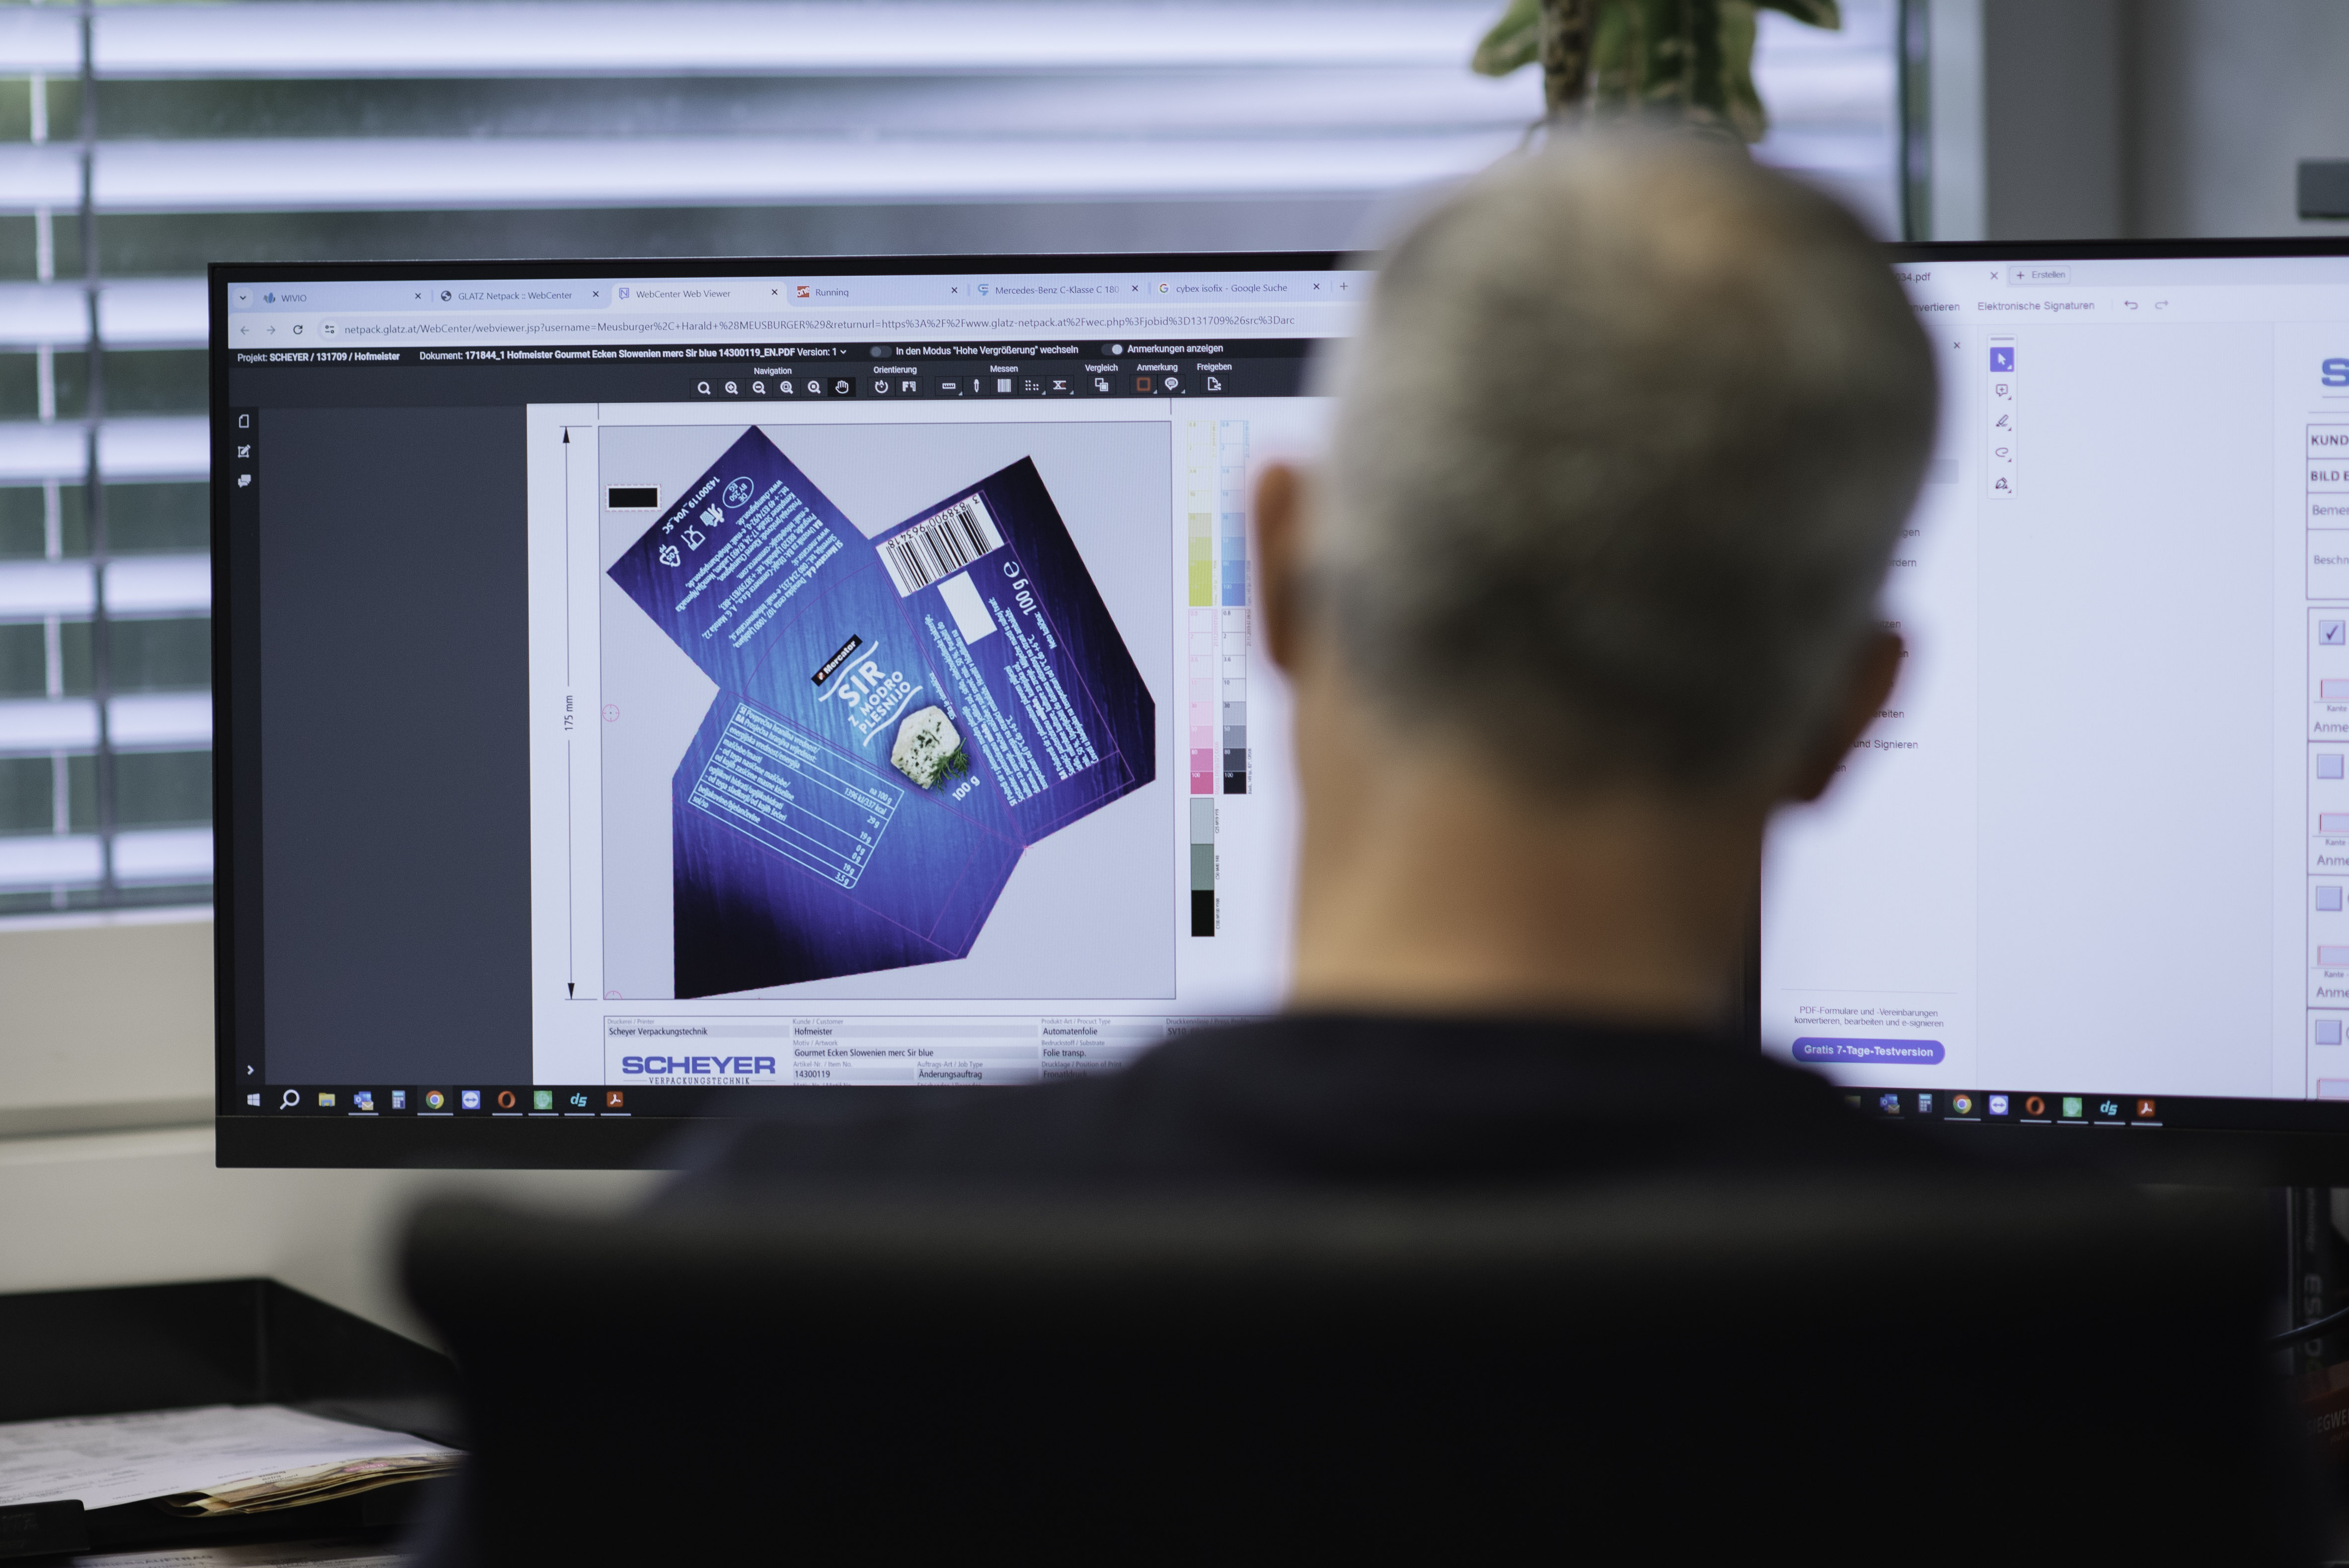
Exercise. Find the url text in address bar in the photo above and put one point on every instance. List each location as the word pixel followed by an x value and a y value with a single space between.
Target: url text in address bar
pixel 364 330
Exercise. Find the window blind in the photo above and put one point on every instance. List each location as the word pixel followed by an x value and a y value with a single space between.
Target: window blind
pixel 138 141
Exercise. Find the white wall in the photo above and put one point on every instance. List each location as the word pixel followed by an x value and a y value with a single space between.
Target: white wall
pixel 2136 119
pixel 2053 137
pixel 105 1024
pixel 106 1143
pixel 2226 97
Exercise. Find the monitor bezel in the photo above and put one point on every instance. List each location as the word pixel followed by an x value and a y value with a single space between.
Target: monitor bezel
pixel 243 1138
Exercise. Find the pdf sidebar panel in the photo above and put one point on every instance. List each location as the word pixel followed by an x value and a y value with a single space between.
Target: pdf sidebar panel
pixel 2091 860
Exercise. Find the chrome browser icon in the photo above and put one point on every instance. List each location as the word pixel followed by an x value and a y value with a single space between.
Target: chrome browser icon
pixel 434 1099
pixel 1961 1105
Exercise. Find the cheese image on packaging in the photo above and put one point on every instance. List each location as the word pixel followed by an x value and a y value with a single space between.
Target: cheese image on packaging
pixel 928 749
pixel 896 718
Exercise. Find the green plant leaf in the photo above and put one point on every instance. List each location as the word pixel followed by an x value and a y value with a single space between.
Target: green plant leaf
pixel 1615 56
pixel 1514 42
pixel 1691 59
pixel 1709 85
pixel 1817 13
pixel 1742 102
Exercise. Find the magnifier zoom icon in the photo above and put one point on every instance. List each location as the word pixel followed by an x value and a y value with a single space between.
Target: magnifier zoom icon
pixel 293 1098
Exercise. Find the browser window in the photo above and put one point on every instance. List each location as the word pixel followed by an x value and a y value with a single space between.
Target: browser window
pixel 860 671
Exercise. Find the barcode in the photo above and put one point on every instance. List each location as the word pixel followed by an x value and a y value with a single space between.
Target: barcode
pixel 940 546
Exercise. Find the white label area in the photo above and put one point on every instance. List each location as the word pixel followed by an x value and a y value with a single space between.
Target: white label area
pixel 868 1049
pixel 2099 838
pixel 968 610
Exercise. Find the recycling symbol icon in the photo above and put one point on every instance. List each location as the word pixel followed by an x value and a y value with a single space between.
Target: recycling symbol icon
pixel 669 556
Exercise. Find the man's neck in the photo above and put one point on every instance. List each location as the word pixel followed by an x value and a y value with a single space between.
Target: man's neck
pixel 1432 884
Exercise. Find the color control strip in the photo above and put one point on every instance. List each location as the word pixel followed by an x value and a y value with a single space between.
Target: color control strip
pixel 1200 636
pixel 1231 503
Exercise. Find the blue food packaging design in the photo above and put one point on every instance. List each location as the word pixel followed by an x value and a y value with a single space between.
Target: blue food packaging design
pixel 1042 681
pixel 796 860
pixel 736 554
pixel 799 853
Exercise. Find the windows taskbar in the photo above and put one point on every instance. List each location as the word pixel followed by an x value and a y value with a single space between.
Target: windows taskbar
pixel 1939 1107
pixel 505 1100
pixel 2012 1107
pixel 547 1102
pixel 2043 1108
pixel 2155 1138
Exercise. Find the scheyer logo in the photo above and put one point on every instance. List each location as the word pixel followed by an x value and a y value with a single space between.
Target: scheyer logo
pixel 697 1067
pixel 679 1035
pixel 2336 373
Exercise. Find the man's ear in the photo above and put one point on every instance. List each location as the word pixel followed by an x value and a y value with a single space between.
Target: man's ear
pixel 1869 683
pixel 1280 561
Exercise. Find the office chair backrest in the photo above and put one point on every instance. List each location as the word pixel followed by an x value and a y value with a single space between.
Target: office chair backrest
pixel 1888 1375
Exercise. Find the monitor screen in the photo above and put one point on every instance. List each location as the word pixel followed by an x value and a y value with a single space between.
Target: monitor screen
pixel 2085 876
pixel 652 688
pixel 647 689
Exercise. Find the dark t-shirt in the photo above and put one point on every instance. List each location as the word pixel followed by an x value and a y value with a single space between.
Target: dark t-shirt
pixel 1307 1100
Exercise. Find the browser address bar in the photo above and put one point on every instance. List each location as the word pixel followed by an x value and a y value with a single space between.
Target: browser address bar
pixel 362 330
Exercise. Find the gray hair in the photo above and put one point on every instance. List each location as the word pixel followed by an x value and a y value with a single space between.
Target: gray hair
pixel 1621 452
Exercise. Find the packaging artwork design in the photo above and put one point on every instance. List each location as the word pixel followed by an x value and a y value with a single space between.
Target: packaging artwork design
pixel 897 717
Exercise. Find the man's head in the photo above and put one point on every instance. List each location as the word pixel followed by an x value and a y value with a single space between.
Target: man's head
pixel 1588 582
pixel 1621 452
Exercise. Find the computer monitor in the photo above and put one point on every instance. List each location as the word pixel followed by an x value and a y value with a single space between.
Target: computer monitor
pixel 646 689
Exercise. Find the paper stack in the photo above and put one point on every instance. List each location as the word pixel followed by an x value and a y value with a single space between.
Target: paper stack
pixel 215 1459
